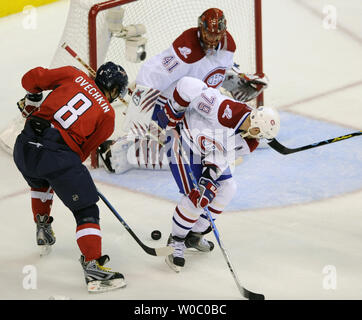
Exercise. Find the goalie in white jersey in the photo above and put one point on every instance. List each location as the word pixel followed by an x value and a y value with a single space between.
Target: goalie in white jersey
pixel 204 129
pixel 205 52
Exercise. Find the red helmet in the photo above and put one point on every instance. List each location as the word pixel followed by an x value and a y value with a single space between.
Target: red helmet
pixel 212 26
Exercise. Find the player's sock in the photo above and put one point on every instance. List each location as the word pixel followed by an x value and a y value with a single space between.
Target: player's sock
pixel 41 201
pixel 182 221
pixel 89 240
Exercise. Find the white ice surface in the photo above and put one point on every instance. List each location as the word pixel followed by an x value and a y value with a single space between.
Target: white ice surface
pixel 280 252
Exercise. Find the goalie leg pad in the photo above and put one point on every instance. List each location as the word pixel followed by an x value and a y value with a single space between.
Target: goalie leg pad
pixel 120 160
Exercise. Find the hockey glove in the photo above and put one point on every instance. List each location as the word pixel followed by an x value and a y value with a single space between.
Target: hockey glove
pixel 249 87
pixel 104 152
pixel 169 116
pixel 244 87
pixel 207 190
pixel 30 103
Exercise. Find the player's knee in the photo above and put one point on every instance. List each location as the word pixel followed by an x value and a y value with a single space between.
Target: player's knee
pixel 87 215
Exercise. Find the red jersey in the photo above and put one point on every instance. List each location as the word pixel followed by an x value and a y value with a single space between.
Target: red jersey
pixel 76 106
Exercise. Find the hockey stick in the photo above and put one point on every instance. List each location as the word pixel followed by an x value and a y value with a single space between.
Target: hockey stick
pixel 164 251
pixel 277 146
pixel 80 60
pixel 244 292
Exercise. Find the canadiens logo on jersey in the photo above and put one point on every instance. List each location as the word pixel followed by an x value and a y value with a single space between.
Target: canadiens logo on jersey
pixel 215 78
pixel 207 144
pixel 185 51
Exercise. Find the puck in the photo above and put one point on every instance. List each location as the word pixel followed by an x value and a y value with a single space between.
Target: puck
pixel 156 235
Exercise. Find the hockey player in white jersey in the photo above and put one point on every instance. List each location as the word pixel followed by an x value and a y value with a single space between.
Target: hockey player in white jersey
pixel 205 52
pixel 205 128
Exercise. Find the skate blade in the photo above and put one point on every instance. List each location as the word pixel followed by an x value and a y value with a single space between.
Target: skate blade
pixel 45 250
pixel 104 286
pixel 193 250
pixel 174 267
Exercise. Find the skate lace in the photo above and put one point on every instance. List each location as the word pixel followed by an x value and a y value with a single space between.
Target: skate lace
pixel 103 268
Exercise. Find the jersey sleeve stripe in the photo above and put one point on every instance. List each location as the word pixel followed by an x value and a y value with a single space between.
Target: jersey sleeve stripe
pixel 179 99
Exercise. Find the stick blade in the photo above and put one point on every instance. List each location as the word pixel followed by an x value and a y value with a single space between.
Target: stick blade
pixel 164 251
pixel 252 295
pixel 274 144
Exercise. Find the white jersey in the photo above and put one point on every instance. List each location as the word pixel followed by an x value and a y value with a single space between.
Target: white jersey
pixel 211 121
pixel 186 57
pixel 158 76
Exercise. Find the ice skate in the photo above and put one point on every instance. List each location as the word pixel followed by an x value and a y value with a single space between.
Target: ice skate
pixel 176 260
pixel 197 241
pixel 45 236
pixel 100 279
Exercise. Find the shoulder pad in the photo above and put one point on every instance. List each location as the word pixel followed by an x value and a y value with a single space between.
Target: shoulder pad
pixel 231 114
pixel 187 46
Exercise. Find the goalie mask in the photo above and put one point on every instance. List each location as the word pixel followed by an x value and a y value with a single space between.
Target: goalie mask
pixel 267 120
pixel 212 27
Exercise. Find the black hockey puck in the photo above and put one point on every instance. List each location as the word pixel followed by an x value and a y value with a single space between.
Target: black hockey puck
pixel 156 235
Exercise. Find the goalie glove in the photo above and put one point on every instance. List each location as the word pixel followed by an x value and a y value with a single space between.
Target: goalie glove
pixel 30 103
pixel 207 190
pixel 250 86
pixel 244 87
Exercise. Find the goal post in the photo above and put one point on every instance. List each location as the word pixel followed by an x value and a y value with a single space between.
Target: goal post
pixel 92 26
pixel 258 45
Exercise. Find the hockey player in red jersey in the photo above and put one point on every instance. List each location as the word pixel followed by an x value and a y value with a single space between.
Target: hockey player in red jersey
pixel 59 134
pixel 205 52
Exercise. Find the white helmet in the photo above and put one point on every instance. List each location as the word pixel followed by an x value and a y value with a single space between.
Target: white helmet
pixel 267 120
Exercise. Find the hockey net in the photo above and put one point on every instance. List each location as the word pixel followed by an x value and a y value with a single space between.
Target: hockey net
pixel 87 33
